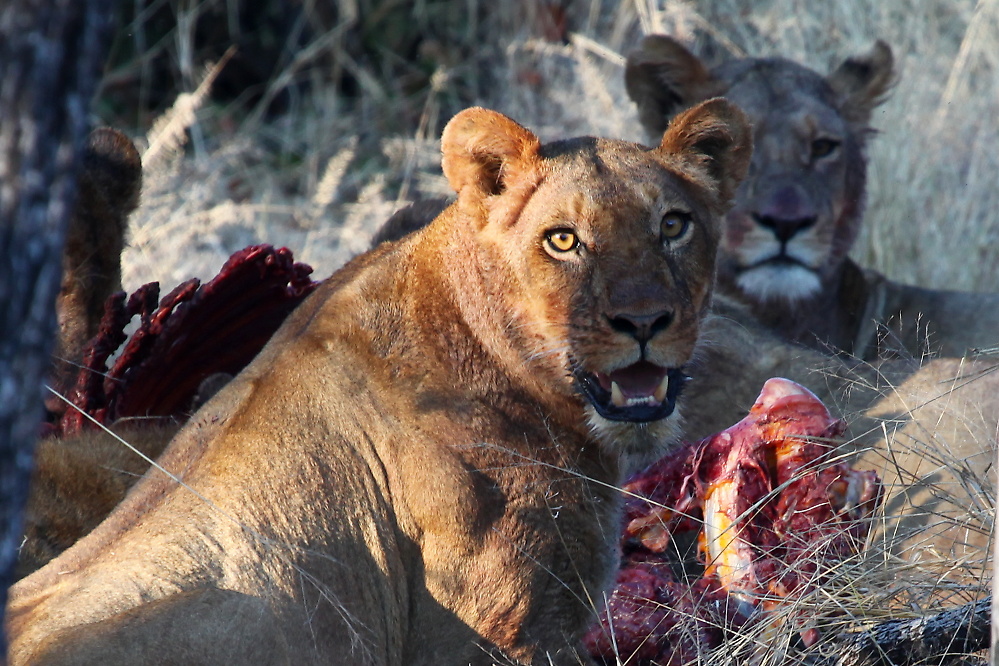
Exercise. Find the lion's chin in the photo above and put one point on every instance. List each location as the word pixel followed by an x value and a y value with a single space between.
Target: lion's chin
pixel 632 410
pixel 779 281
pixel 635 444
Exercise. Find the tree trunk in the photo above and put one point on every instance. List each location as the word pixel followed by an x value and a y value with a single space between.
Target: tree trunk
pixel 994 651
pixel 51 54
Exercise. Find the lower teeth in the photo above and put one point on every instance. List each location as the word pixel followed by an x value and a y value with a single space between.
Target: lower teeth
pixel 657 398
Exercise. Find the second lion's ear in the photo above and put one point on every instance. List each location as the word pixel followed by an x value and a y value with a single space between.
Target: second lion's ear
pixel 863 82
pixel 662 77
pixel 487 152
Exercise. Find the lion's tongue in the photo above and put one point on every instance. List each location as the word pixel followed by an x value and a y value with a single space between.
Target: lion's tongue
pixel 641 383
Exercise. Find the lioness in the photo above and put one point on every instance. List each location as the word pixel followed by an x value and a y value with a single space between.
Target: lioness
pixel 798 213
pixel 420 466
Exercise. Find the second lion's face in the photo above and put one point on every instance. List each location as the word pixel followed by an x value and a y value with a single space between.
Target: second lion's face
pixel 798 211
pixel 796 214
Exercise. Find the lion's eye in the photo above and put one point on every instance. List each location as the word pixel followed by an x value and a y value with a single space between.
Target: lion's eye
pixel 562 240
pixel 823 148
pixel 674 225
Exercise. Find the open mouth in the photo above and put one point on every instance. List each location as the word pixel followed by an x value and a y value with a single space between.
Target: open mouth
pixel 641 392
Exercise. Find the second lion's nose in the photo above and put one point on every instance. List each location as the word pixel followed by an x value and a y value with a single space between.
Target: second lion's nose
pixel 784 228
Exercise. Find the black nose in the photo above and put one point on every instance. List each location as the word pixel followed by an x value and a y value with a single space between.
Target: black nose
pixel 784 228
pixel 641 327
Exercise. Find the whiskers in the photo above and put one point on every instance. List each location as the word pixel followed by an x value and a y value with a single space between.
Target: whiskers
pixel 552 348
pixel 637 444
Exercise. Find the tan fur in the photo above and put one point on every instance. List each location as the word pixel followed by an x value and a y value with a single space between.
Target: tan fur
pixel 935 442
pixel 411 472
pixel 806 186
pixel 408 219
pixel 77 481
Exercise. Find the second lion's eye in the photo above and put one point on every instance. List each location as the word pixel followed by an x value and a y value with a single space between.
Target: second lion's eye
pixel 562 240
pixel 823 148
pixel 674 225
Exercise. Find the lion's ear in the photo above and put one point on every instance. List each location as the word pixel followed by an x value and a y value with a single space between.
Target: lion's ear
pixel 487 151
pixel 662 77
pixel 717 137
pixel 863 82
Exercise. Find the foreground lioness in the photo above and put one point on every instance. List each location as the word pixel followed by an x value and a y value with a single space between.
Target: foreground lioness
pixel 799 211
pixel 420 466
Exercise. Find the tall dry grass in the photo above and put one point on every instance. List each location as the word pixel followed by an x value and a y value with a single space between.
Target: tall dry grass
pixel 933 217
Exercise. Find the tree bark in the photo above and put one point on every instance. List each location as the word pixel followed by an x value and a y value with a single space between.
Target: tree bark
pixel 51 54
pixel 994 651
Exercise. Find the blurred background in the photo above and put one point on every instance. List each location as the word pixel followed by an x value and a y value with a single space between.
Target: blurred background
pixel 306 123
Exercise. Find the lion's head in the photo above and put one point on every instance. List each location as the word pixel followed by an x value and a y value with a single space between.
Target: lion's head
pixel 600 257
pixel 798 212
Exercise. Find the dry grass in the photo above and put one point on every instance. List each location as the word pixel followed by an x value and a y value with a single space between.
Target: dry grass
pixel 321 178
pixel 933 212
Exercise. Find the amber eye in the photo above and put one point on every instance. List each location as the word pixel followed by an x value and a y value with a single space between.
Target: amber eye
pixel 823 148
pixel 674 225
pixel 562 240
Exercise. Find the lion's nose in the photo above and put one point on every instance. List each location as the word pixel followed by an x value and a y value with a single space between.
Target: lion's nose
pixel 786 212
pixel 642 327
pixel 784 228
